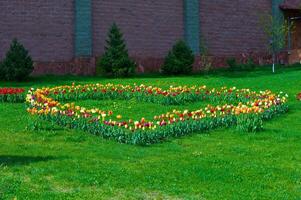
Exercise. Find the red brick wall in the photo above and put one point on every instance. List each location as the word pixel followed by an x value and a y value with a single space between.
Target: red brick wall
pixel 231 27
pixel 150 27
pixel 45 27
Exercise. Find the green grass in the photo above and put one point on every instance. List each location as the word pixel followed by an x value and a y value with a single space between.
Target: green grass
pixel 222 164
pixel 134 109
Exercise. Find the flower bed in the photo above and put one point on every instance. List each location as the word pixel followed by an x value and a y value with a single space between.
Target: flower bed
pixel 299 96
pixel 232 104
pixel 13 95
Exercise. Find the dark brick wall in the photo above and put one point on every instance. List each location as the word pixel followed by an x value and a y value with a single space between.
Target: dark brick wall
pixel 230 27
pixel 150 27
pixel 45 27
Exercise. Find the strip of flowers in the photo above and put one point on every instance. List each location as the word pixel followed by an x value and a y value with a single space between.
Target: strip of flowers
pixel 12 95
pixel 233 103
pixel 299 96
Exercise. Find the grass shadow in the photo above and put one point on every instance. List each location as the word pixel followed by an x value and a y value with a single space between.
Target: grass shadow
pixel 13 160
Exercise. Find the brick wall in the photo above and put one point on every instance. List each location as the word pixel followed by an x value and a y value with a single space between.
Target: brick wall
pixel 230 27
pixel 150 27
pixel 45 27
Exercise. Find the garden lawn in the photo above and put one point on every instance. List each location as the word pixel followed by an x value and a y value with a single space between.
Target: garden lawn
pixel 58 163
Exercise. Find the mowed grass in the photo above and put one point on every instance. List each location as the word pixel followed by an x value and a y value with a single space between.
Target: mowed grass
pixel 136 110
pixel 223 164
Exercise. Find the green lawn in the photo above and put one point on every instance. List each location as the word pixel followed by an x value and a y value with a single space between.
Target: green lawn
pixel 223 164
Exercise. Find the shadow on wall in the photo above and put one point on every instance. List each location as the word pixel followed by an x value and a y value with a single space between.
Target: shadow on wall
pixel 10 160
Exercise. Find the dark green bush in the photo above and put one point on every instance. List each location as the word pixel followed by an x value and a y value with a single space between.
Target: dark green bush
pixel 115 61
pixel 232 64
pixel 17 65
pixel 250 65
pixel 179 60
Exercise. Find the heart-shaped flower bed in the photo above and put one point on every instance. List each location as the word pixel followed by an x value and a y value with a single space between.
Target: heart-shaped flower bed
pixel 231 107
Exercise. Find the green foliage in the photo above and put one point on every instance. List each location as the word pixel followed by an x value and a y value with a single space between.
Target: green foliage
pixel 16 98
pixel 140 137
pixel 232 64
pixel 115 61
pixel 205 59
pixel 179 60
pixel 276 30
pixel 17 65
pixel 250 65
pixel 249 123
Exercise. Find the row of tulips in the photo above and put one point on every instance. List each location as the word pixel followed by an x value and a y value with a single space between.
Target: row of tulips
pixel 13 95
pixel 169 96
pixel 45 103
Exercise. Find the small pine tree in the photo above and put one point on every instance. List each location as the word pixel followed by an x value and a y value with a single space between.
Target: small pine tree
pixel 116 59
pixel 179 60
pixel 17 65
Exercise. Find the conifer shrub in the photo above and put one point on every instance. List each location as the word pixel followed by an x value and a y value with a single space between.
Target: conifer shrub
pixel 115 61
pixel 232 64
pixel 179 60
pixel 17 65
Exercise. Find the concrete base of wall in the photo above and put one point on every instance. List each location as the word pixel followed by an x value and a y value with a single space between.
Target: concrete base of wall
pixel 77 66
pixel 87 66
